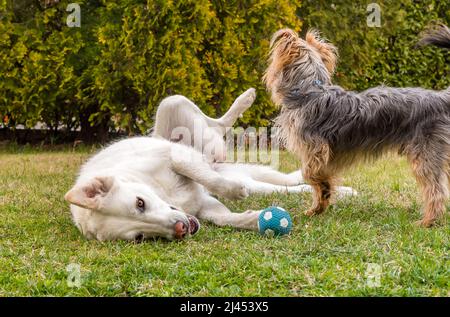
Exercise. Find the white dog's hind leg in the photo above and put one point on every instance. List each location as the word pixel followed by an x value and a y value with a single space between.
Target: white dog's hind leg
pixel 342 191
pixel 215 212
pixel 255 187
pixel 260 173
pixel 178 111
pixel 239 106
pixel 263 179
pixel 179 120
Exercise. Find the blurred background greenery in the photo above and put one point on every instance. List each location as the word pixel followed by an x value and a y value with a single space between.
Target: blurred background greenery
pixel 111 73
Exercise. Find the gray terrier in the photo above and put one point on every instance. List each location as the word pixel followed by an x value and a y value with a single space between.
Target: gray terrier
pixel 329 128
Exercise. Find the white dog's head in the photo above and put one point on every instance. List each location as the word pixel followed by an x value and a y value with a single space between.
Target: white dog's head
pixel 107 208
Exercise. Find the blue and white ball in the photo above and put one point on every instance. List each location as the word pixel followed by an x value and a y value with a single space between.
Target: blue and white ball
pixel 274 221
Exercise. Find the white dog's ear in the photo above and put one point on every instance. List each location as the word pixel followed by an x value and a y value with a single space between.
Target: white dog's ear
pixel 89 195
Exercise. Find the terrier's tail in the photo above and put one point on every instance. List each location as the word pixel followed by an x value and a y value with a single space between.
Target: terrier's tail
pixel 438 35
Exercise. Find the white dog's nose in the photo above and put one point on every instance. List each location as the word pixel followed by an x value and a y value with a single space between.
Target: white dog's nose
pixel 182 229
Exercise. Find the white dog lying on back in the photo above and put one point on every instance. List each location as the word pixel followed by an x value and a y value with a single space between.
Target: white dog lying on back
pixel 146 187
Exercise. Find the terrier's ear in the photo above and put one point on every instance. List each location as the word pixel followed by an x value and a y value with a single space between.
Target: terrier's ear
pixel 90 195
pixel 327 51
pixel 286 34
pixel 284 50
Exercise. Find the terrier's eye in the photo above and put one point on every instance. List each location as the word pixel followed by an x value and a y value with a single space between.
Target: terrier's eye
pixel 140 204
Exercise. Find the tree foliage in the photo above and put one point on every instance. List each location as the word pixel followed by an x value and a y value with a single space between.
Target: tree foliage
pixel 387 54
pixel 128 55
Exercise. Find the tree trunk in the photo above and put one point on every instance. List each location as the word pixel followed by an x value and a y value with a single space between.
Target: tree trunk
pixel 97 133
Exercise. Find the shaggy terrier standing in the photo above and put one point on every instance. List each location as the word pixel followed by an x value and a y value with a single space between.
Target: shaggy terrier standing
pixel 329 128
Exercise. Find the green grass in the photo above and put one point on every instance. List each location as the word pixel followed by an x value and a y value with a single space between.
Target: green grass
pixel 327 255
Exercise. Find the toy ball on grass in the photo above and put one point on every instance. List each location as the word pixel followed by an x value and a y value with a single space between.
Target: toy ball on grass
pixel 274 221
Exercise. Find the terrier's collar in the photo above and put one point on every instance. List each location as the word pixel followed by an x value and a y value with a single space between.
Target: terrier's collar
pixel 316 90
pixel 317 82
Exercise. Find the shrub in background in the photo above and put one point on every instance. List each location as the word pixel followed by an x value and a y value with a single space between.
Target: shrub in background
pixel 128 55
pixel 372 56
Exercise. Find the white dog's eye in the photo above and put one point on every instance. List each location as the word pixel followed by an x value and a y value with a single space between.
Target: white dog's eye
pixel 140 204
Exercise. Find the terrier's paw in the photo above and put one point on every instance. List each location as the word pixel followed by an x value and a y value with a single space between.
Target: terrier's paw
pixel 314 211
pixel 424 223
pixel 310 212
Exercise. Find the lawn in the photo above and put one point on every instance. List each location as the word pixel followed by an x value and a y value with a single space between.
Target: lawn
pixel 365 245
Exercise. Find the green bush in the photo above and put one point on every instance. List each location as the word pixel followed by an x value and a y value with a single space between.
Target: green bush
pixel 128 54
pixel 37 73
pixel 372 56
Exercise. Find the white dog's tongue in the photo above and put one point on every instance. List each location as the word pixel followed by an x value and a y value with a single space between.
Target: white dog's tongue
pixel 194 225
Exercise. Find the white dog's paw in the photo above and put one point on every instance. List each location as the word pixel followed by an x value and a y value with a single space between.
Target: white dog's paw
pixel 234 190
pixel 247 98
pixel 250 95
pixel 239 192
pixel 342 191
pixel 253 218
pixel 294 178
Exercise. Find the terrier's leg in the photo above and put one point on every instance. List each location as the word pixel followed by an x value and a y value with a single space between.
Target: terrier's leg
pixel 322 189
pixel 434 183
pixel 316 174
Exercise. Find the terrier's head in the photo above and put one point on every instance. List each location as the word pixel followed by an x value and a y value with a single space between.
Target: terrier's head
pixel 296 63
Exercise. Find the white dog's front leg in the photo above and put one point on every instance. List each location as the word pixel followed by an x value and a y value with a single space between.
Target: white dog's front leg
pixel 190 163
pixel 215 212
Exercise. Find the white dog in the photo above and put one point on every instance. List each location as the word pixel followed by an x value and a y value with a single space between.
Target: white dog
pixel 149 186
